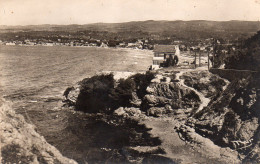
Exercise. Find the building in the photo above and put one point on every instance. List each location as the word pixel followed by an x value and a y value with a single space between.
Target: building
pixel 161 54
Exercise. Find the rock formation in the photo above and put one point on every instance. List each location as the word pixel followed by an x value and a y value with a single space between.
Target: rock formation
pixel 233 119
pixel 20 143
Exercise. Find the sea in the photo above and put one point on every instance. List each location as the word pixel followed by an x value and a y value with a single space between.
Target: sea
pixel 33 79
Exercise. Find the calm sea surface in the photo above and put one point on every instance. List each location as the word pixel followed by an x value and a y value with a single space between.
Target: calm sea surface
pixel 35 77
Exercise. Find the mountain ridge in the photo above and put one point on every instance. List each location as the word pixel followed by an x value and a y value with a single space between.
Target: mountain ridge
pixel 157 26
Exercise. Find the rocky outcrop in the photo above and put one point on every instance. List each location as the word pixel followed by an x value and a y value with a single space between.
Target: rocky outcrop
pixel 103 93
pixel 20 143
pixel 206 146
pixel 229 117
pixel 169 96
pixel 155 94
pixel 71 95
pixel 233 119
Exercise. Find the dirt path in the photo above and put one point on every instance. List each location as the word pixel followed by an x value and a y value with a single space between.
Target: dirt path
pixel 204 101
pixel 197 150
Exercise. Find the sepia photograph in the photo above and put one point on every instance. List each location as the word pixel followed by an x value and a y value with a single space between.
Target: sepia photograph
pixel 129 81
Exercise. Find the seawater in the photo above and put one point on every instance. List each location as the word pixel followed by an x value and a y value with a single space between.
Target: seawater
pixel 34 78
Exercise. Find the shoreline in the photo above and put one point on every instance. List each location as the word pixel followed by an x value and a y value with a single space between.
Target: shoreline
pixel 116 48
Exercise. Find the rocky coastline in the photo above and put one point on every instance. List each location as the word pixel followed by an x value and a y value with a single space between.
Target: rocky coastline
pixel 165 116
pixel 172 105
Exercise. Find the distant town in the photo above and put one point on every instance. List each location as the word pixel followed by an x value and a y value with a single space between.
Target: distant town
pixel 203 45
pixel 189 35
pixel 220 43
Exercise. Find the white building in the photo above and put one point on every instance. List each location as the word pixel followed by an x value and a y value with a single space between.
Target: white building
pixel 162 53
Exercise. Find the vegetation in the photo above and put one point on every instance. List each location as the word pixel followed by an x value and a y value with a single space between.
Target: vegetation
pixel 247 57
pixel 122 94
pixel 101 94
pixel 95 94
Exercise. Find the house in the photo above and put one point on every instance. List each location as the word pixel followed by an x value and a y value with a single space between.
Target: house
pixel 161 54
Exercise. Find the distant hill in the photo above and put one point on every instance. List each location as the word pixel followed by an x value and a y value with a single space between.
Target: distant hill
pixel 148 26
pixel 197 29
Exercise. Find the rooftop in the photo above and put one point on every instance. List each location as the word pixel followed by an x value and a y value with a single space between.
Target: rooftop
pixel 164 48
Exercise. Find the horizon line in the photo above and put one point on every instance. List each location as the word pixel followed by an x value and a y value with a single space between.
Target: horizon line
pixel 134 21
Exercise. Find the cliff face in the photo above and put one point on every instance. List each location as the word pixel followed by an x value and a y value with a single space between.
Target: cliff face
pixel 233 119
pixel 20 143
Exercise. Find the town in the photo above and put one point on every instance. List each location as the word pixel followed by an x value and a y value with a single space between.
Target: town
pixel 135 43
pixel 217 49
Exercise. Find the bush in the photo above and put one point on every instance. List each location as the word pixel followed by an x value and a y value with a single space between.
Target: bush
pixel 123 92
pixel 99 94
pixel 95 94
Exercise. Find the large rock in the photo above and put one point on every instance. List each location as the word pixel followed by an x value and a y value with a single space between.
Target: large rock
pixel 157 112
pixel 135 100
pixel 71 95
pixel 126 112
pixel 172 94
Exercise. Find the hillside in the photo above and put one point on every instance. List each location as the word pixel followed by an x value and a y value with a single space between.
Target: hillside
pixel 149 26
pixel 180 29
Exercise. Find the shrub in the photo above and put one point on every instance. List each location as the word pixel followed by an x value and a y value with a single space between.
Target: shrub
pixel 99 94
pixel 95 94
pixel 123 92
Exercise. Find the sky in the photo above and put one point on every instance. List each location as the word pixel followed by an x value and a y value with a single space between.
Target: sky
pixel 34 12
